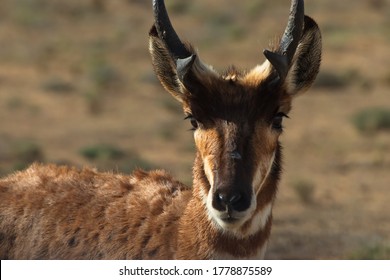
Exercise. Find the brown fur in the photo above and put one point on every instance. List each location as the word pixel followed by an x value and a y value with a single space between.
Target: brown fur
pixel 52 212
pixel 58 212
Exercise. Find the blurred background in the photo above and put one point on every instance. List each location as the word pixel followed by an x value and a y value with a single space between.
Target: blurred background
pixel 77 87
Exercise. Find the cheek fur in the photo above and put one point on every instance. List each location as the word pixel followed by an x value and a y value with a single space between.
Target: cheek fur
pixel 209 168
pixel 262 172
pixel 265 144
pixel 207 143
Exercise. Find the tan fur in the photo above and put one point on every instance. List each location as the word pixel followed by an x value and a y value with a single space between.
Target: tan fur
pixel 257 74
pixel 50 212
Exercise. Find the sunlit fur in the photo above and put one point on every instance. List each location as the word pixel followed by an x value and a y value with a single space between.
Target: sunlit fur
pixel 262 145
pixel 52 212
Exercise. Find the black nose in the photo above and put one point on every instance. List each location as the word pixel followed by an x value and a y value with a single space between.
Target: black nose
pixel 231 200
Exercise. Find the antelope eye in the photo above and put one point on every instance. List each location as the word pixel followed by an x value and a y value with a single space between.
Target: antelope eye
pixel 277 121
pixel 193 122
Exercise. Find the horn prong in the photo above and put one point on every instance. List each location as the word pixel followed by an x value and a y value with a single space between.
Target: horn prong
pixel 183 65
pixel 281 59
pixel 278 61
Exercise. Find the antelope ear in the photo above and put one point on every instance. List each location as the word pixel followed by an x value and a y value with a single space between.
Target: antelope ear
pixel 164 66
pixel 306 61
pixel 178 76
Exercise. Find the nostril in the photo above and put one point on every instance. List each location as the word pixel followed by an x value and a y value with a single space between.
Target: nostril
pixel 229 199
pixel 235 198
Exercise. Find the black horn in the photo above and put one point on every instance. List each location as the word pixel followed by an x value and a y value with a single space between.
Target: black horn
pixel 281 59
pixel 166 32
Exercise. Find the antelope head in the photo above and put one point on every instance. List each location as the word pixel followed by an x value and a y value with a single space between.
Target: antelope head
pixel 237 116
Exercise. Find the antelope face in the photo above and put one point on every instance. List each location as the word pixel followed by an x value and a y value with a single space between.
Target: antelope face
pixel 237 117
pixel 236 130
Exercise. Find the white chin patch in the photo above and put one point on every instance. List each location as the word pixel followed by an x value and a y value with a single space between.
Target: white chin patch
pixel 229 222
pixel 233 221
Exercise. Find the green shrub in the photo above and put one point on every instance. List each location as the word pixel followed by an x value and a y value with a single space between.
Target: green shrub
pixel 103 75
pixel 30 13
pixel 178 7
pixel 254 8
pixel 103 78
pixel 14 103
pixel 57 85
pixel 342 79
pixel 372 120
pixel 24 153
pixel 102 152
pixel 372 252
pixel 304 190
pixel 108 157
pixel 386 79
pixel 327 79
pixel 133 162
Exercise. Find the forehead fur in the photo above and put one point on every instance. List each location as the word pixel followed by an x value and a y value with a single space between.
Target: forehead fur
pixel 235 95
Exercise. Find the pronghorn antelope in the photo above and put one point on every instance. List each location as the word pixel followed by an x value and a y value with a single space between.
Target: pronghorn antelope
pixel 52 212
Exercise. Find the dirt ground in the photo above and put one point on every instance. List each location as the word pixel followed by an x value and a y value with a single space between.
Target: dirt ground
pixel 77 87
